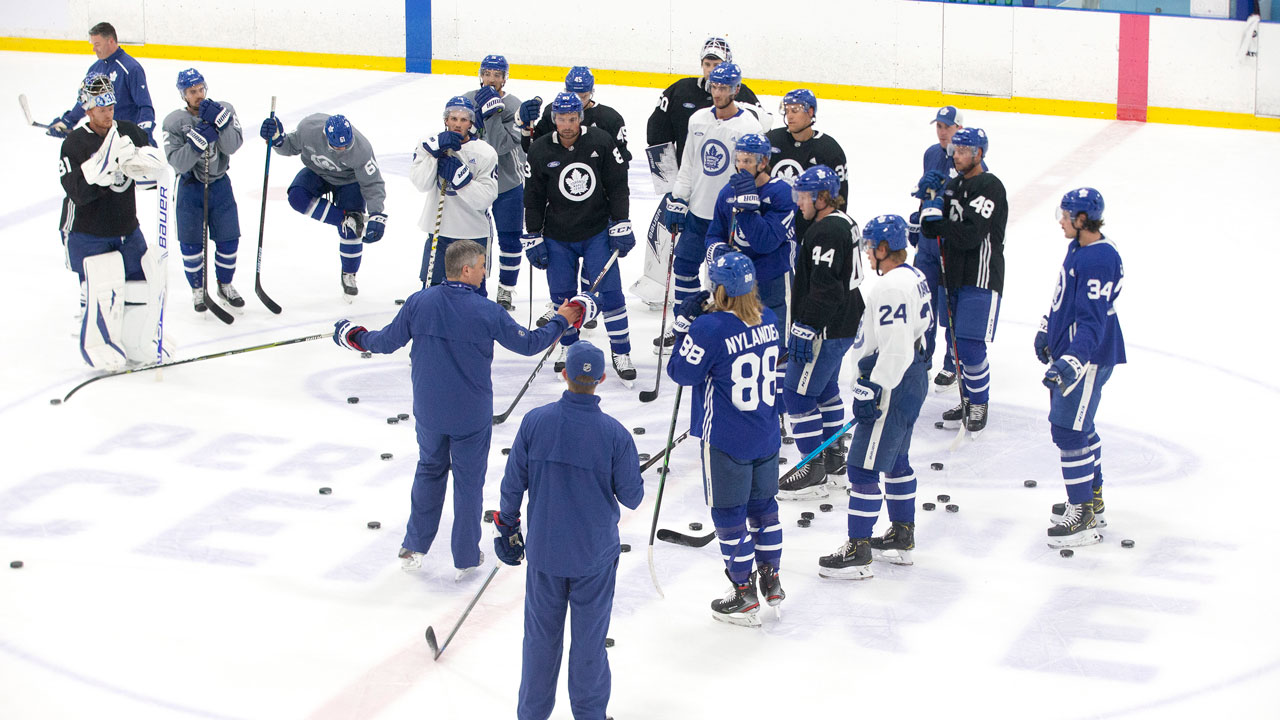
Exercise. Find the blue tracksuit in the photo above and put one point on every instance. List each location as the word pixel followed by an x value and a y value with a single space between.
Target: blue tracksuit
pixel 133 100
pixel 577 463
pixel 453 329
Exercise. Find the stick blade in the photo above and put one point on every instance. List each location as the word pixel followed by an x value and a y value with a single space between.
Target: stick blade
pixel 676 538
pixel 648 395
pixel 431 643
pixel 26 109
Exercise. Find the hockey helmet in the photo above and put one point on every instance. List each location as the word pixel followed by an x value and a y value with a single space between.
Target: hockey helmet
pixel 969 137
pixel 97 90
pixel 337 130
pixel 565 103
pixel 891 229
pixel 718 48
pixel 189 78
pixel 734 271
pixel 580 80
pixel 1082 200
pixel 726 73
pixel 800 97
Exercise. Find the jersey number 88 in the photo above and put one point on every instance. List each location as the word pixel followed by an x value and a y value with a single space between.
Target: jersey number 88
pixel 755 379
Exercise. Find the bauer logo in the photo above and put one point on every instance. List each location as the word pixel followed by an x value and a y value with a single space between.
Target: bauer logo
pixel 162 232
pixel 715 157
pixel 577 181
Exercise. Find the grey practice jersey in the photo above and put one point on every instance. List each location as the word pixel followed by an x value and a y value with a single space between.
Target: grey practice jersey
pixel 185 158
pixel 338 167
pixel 501 133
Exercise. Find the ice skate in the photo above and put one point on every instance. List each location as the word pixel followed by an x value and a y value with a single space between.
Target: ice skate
pixel 740 606
pixel 833 459
pixel 952 418
pixel 561 360
pixel 977 420
pixel 808 483
pixel 410 560
pixel 232 298
pixel 625 368
pixel 504 299
pixel 461 573
pixel 945 380
pixel 1076 527
pixel 896 544
pixel 1099 507
pixel 352 226
pixel 771 586
pixel 546 316
pixel 666 343
pixel 197 300
pixel 851 561
pixel 349 289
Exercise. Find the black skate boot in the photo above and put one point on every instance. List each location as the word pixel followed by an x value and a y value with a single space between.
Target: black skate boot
pixel 561 360
pixel 1099 507
pixel 952 418
pixel 504 299
pixel 977 421
pixel 1076 527
pixel 851 561
pixel 624 367
pixel 667 341
pixel 944 380
pixel 771 585
pixel 896 544
pixel 546 316
pixel 740 605
pixel 197 300
pixel 833 458
pixel 807 483
pixel 229 294
pixel 349 289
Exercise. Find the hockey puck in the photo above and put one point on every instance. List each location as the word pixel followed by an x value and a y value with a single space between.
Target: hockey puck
pixel 953 508
pixel 944 498
pixel 56 401
pixel 608 642
pixel 788 440
pixel 935 466
pixel 399 301
pixel 782 461
pixel 374 525
pixel 1126 543
pixel 637 431
pixel 366 354
pixel 1066 552
pixel 325 491
pixel 695 526
pixel 506 451
pixel 806 515
pixel 15 564
pixel 939 425
pixel 353 400
pixel 927 506
pixel 803 522
pixel 825 507
pixel 663 470
pixel 643 457
pixel 393 420
pixel 403 416
pixel 1028 483
pixel 624 547
pixel 386 456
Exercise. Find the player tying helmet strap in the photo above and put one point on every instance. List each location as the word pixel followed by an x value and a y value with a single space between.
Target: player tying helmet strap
pixel 728 349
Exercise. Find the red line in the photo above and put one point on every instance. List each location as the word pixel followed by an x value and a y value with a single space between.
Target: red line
pixel 1131 85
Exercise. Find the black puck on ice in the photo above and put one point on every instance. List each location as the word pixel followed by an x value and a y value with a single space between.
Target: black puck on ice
pixel 353 400
pixel 399 301
pixel 608 642
pixel 15 564
pixel 366 354
pixel 806 515
pixel 1028 483
pixel 927 506
pixel 637 431
pixel 695 526
pixel 325 491
pixel 935 466
pixel 1126 543
pixel 825 507
pixel 56 401
pixel 624 547
pixel 788 440
pixel 386 456
pixel 944 498
pixel 1066 552
pixel 663 470
pixel 374 524
pixel 803 522
pixel 939 425
pixel 953 508
pixel 403 416
pixel 506 451
pixel 643 457
pixel 782 460
pixel 393 420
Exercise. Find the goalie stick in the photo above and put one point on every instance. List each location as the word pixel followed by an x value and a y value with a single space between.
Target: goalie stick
pixel 26 110
pixel 271 305
pixel 431 633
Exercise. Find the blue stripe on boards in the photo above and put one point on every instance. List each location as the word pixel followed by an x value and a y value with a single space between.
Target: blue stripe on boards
pixel 417 36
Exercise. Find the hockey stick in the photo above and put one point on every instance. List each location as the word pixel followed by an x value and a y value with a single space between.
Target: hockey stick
pixel 654 460
pixel 262 224
pixel 955 351
pixel 431 633
pixel 224 353
pixel 676 538
pixel 817 451
pixel 213 307
pixel 435 238
pixel 26 110
pixel 662 482
pixel 499 419
pixel 651 395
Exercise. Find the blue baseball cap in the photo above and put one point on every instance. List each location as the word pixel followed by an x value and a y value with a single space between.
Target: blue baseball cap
pixel 949 115
pixel 585 359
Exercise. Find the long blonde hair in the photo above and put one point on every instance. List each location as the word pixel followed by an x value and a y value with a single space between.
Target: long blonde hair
pixel 747 307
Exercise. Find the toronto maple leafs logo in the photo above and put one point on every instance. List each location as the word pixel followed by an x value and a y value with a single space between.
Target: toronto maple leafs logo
pixel 715 157
pixel 577 181
pixel 788 170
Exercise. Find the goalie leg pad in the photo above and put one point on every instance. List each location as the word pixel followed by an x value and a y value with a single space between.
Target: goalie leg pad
pixel 101 328
pixel 140 329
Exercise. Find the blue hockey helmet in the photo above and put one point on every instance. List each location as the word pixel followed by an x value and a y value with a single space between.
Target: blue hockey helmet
pixel 726 73
pixel 718 48
pixel 565 103
pixel 754 143
pixel 816 179
pixel 891 229
pixel 1082 200
pixel 189 78
pixel 97 90
pixel 801 97
pixel 735 272
pixel 459 102
pixel 337 130
pixel 580 80
pixel 494 62
pixel 969 137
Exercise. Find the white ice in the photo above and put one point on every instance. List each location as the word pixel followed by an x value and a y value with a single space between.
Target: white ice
pixel 181 563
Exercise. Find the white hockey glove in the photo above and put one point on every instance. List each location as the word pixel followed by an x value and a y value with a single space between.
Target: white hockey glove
pixel 590 307
pixel 103 166
pixel 145 165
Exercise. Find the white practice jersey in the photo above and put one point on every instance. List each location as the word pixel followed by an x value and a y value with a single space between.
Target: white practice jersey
pixel 708 160
pixel 466 209
pixel 897 316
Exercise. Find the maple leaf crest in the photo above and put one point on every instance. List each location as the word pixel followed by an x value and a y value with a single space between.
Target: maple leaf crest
pixel 577 182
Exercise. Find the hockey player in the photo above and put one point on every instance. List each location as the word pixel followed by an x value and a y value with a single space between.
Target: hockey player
pixel 969 216
pixel 939 166
pixel 799 145
pixel 338 179
pixel 133 100
pixel 827 307
pixel 453 329
pixel 99 165
pixel 577 198
pixel 1080 340
pixel 496 125
pixel 891 384
pixel 463 167
pixel 574 489
pixel 688 208
pixel 581 82
pixel 202 135
pixel 729 354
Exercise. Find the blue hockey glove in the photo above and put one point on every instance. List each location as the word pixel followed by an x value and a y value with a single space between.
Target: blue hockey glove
pixel 272 131
pixel 674 211
pixel 866 401
pixel 453 171
pixel 348 336
pixel 1042 342
pixel 440 145
pixel 488 102
pixel 375 227
pixel 621 238
pixel 535 250
pixel 931 209
pixel 509 545
pixel 530 110
pixel 689 310
pixel 1063 374
pixel 715 250
pixel 800 347
pixel 201 135
pixel 214 114
pixel 588 303
pixel 913 229
pixel 59 127
pixel 745 197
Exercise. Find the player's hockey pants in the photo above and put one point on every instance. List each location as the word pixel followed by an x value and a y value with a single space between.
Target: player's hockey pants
pixel 224 228
pixel 562 277
pixel 508 217
pixel 307 195
pixel 468 457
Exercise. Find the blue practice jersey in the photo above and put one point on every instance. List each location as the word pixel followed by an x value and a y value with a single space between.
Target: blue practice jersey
pixel 453 329
pixel 732 368
pixel 1082 318
pixel 577 464
pixel 133 100
pixel 767 236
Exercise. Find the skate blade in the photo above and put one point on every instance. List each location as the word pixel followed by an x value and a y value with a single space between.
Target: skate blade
pixel 1080 539
pixel 895 557
pixel 751 619
pixel 944 388
pixel 950 425
pixel 630 384
pixel 348 298
pixel 856 572
pixel 817 492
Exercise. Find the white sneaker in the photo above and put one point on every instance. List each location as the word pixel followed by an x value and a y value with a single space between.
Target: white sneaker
pixel 463 572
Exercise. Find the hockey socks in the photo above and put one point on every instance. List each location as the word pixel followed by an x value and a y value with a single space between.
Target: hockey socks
pixel 864 501
pixel 975 370
pixel 832 415
pixel 766 531
pixel 900 496
pixel 351 251
pixel 1095 444
pixel 1077 473
pixel 509 256
pixel 736 545
pixel 615 324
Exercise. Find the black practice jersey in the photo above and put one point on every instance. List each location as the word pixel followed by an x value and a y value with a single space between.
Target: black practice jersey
pixel 792 157
pixel 670 119
pixel 828 272
pixel 974 213
pixel 601 116
pixel 573 193
pixel 94 209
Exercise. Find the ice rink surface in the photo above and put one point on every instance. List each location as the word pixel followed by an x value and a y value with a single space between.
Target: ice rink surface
pixel 180 562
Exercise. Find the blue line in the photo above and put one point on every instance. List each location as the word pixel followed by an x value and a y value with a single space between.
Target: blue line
pixel 417 36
